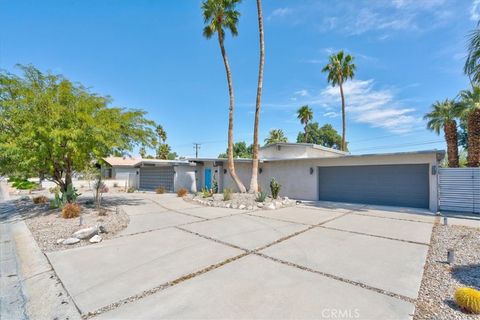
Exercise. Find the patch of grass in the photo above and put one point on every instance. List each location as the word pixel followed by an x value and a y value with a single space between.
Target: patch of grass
pixel 71 210
pixel 227 194
pixel 40 200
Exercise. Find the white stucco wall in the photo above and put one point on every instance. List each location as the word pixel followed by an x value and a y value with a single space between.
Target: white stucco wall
pixel 298 183
pixel 244 172
pixel 185 178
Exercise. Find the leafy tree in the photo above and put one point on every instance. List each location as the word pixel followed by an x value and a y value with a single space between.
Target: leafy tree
pixel 172 156
pixel 340 68
pixel 442 117
pixel 275 136
pixel 240 150
pixel 218 16
pixel 470 101
pixel 52 127
pixel 325 136
pixel 305 115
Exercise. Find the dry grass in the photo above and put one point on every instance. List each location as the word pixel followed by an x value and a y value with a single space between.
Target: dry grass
pixel 71 210
pixel 182 192
pixel 40 199
pixel 160 190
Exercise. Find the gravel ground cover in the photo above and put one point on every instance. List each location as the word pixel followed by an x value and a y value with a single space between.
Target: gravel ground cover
pixel 246 201
pixel 440 280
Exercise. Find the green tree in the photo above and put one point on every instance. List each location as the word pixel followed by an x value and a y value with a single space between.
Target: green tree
pixel 52 127
pixel 142 152
pixel 442 118
pixel 340 68
pixel 240 150
pixel 162 134
pixel 254 180
pixel 275 136
pixel 470 101
pixel 218 16
pixel 325 136
pixel 305 115
pixel 472 63
pixel 163 151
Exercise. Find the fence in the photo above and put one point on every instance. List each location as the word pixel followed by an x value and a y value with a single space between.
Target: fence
pixel 459 189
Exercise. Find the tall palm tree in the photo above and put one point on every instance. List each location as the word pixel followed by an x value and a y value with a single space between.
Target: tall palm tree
pixel 219 15
pixel 254 180
pixel 442 117
pixel 305 114
pixel 340 68
pixel 470 100
pixel 472 63
pixel 275 136
pixel 162 134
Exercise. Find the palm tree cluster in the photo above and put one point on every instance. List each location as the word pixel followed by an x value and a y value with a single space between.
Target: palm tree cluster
pixel 465 108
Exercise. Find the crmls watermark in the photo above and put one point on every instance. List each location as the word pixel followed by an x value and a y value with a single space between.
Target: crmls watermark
pixel 340 314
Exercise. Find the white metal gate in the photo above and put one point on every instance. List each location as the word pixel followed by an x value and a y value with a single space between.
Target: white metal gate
pixel 459 189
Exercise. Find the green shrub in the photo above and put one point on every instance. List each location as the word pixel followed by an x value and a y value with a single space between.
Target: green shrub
pixel 261 196
pixel 131 190
pixel 68 196
pixel 207 193
pixel 227 194
pixel 275 188
pixel 22 184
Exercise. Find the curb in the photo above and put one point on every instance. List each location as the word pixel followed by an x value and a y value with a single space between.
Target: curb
pixel 46 298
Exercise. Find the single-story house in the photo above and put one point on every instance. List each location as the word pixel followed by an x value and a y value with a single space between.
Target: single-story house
pixel 305 171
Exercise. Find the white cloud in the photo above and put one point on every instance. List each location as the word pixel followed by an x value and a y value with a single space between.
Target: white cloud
pixel 331 114
pixel 302 93
pixel 377 108
pixel 475 10
pixel 279 13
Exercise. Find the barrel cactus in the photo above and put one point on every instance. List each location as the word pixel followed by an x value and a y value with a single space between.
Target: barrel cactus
pixel 468 299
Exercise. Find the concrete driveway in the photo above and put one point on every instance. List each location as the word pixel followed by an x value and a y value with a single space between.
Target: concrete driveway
pixel 319 260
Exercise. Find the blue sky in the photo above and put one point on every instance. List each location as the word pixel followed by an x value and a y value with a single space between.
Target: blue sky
pixel 152 55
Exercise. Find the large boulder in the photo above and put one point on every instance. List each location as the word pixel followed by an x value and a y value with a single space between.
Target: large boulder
pixel 85 233
pixel 270 206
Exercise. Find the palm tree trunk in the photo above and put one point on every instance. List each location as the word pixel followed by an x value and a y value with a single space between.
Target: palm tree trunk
pixel 473 129
pixel 254 179
pixel 343 116
pixel 452 143
pixel 230 163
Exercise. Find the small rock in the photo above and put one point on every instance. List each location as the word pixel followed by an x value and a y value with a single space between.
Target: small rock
pixel 242 206
pixel 95 239
pixel 85 233
pixel 101 229
pixel 71 241
pixel 59 241
pixel 250 208
pixel 285 198
pixel 228 205
pixel 270 206
pixel 260 204
pixel 234 206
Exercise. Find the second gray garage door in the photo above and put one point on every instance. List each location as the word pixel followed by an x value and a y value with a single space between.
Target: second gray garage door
pixel 154 177
pixel 392 185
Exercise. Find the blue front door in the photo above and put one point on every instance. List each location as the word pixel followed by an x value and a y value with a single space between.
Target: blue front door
pixel 208 178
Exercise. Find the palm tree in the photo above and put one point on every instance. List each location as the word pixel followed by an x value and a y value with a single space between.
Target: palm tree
pixel 219 15
pixel 340 68
pixel 254 180
pixel 305 114
pixel 163 151
pixel 470 100
pixel 472 65
pixel 442 117
pixel 162 134
pixel 275 136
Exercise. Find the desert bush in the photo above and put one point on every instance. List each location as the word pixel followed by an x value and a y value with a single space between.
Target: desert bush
pixel 160 190
pixel 182 192
pixel 70 210
pixel 275 188
pixel 227 194
pixel 261 196
pixel 131 190
pixel 468 299
pixel 22 184
pixel 54 190
pixel 40 200
pixel 207 193
pixel 68 196
pixel 115 184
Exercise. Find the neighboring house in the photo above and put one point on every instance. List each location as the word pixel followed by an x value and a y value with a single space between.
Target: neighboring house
pixel 306 172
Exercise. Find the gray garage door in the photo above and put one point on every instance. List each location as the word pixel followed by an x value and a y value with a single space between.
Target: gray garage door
pixel 392 185
pixel 154 177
